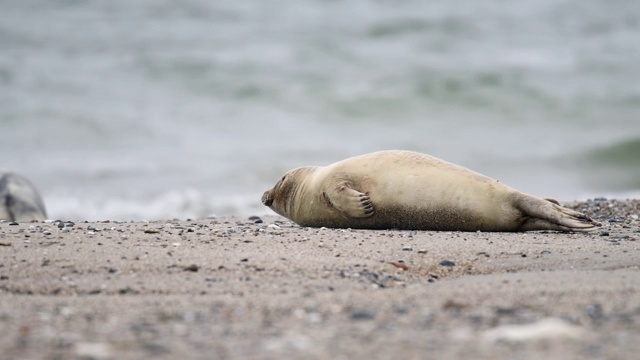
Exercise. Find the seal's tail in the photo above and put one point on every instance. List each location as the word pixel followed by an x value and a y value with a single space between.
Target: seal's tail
pixel 546 214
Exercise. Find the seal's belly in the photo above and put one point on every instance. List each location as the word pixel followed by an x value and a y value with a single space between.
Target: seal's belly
pixel 428 205
pixel 421 219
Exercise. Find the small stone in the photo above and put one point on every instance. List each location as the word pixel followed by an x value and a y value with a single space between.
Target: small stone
pixel 447 263
pixel 128 290
pixel 400 264
pixel 363 315
pixel 407 248
pixel 595 312
pixel 423 251
pixel 604 233
pixel 14 223
pixel 255 219
pixel 192 268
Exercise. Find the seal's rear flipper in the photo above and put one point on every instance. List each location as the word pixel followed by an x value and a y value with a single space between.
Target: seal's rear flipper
pixel 553 201
pixel 548 215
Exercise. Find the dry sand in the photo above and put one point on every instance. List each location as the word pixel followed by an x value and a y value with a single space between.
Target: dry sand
pixel 231 288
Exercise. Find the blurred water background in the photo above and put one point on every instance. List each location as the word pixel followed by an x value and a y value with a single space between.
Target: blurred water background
pixel 160 109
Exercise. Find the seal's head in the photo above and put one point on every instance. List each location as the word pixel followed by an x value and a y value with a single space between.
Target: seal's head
pixel 282 197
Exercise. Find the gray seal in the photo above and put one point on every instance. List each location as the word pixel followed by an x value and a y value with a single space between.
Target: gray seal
pixel 399 189
pixel 19 199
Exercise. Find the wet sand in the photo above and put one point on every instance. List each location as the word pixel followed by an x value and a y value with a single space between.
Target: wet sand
pixel 265 288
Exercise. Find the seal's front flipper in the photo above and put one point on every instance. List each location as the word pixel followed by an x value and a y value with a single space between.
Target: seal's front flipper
pixel 349 201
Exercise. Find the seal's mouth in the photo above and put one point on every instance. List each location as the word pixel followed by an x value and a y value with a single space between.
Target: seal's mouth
pixel 266 199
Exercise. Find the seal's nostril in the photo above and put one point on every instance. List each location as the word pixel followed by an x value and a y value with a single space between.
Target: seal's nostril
pixel 266 199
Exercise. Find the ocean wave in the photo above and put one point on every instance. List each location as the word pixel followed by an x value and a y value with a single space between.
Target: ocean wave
pixel 184 204
pixel 623 154
pixel 612 168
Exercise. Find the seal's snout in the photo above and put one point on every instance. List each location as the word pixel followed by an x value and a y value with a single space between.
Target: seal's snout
pixel 266 199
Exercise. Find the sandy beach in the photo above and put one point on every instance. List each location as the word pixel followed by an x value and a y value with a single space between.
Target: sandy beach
pixel 265 288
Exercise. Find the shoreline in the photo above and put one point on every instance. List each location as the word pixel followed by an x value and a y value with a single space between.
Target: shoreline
pixel 238 288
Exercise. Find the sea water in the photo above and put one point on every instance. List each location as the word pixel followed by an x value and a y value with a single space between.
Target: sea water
pixel 152 109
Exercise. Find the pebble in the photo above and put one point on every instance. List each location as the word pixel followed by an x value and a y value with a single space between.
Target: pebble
pixel 363 315
pixel 256 219
pixel 399 264
pixel 595 312
pixel 407 248
pixel 192 268
pixel 447 263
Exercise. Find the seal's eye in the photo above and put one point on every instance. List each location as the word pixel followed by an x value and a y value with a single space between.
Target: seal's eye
pixel 281 181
